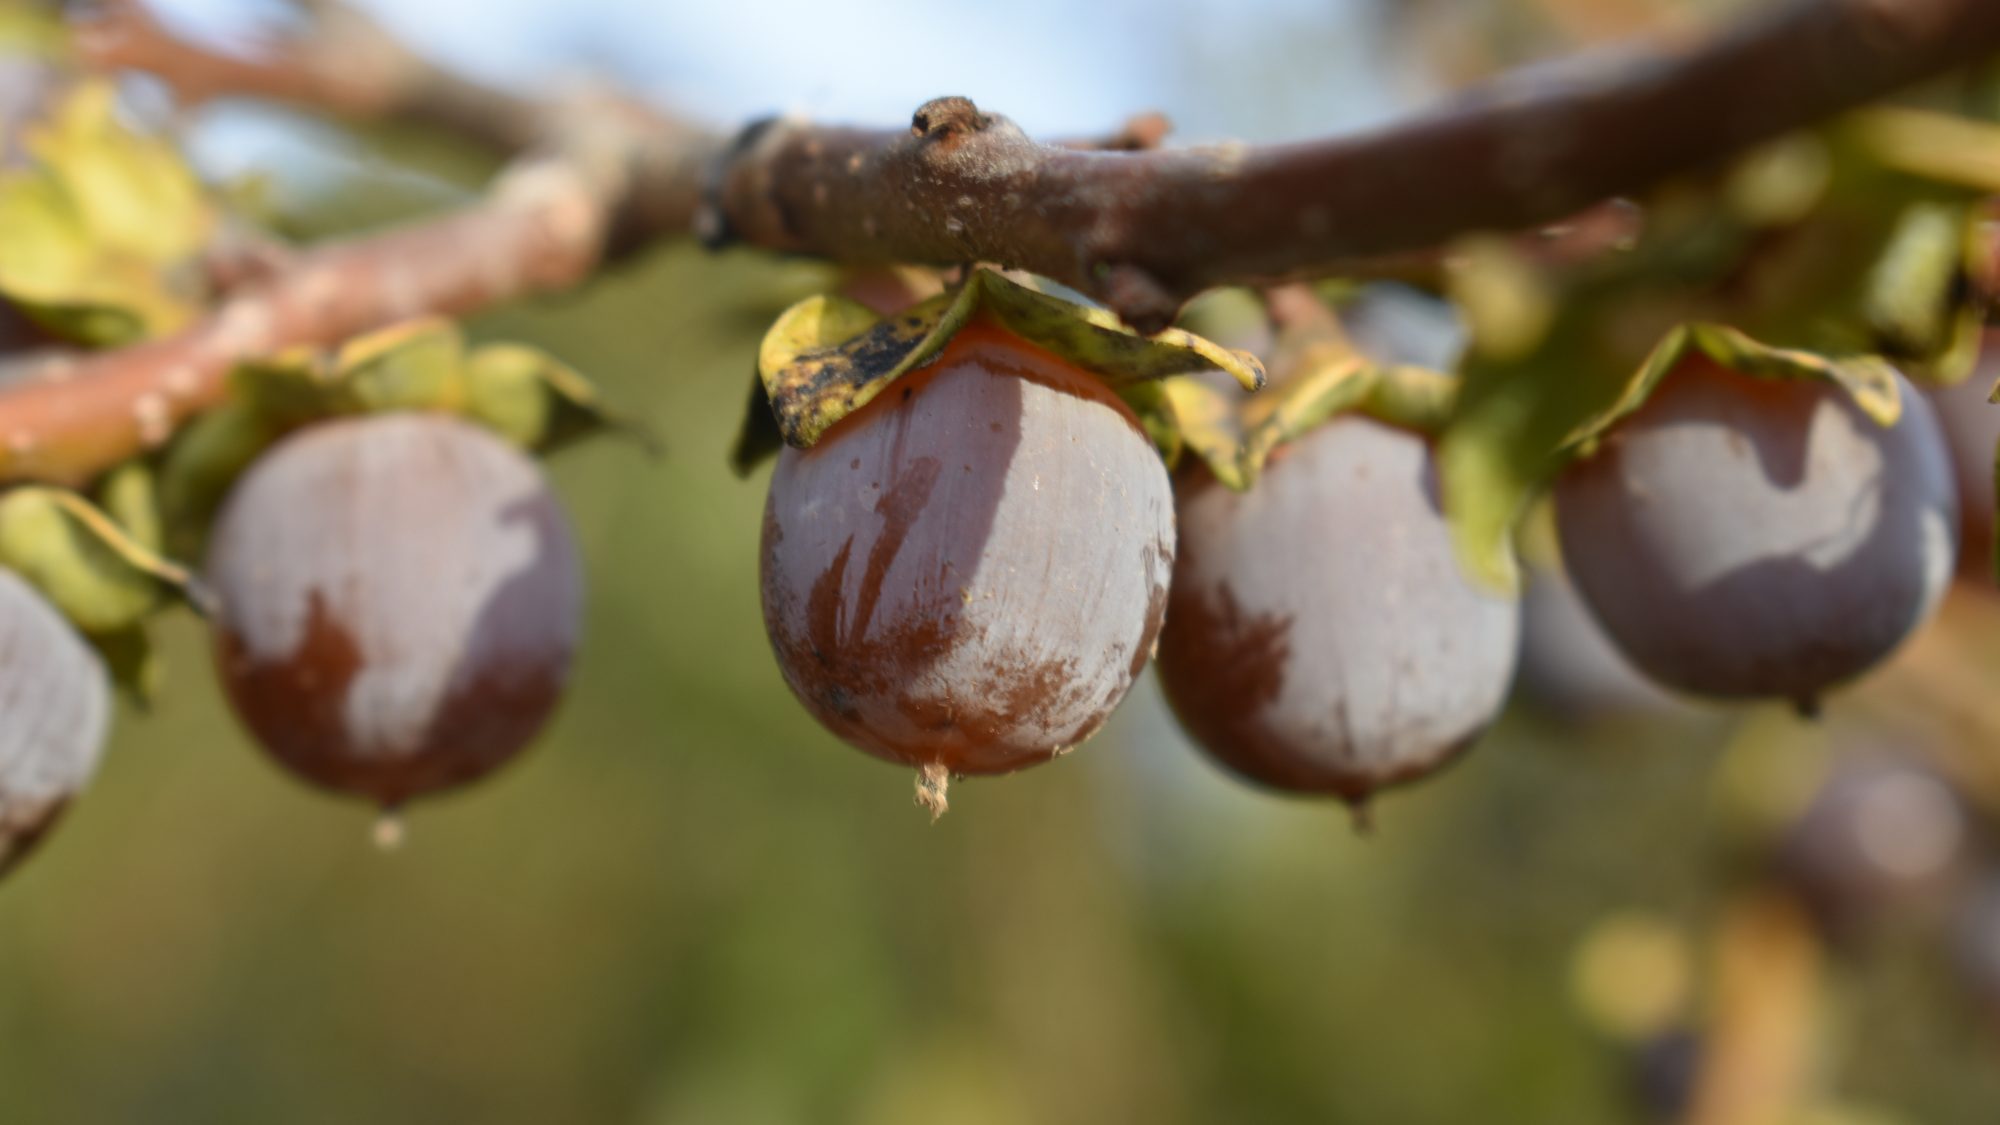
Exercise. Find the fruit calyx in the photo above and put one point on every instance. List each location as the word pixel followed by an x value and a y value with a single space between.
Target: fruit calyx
pixel 828 356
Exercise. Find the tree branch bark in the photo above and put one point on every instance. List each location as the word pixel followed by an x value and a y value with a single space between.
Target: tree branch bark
pixel 1145 231
pixel 1141 230
pixel 69 418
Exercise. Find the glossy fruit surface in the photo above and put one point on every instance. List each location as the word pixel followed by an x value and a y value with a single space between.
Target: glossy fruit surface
pixel 1568 665
pixel 400 600
pixel 55 708
pixel 1879 837
pixel 1746 538
pixel 967 574
pixel 1972 430
pixel 1321 636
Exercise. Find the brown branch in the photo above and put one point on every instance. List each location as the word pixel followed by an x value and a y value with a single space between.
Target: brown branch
pixel 648 165
pixel 1141 230
pixel 1147 230
pixel 347 66
pixel 541 229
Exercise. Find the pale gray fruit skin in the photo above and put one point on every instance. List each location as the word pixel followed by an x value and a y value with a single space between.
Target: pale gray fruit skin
pixel 1321 636
pixel 1882 835
pixel 969 573
pixel 1747 538
pixel 400 599
pixel 55 709
pixel 1972 431
pixel 1975 942
pixel 1568 664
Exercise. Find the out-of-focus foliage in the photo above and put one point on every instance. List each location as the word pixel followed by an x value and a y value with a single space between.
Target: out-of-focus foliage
pixel 828 356
pixel 1821 257
pixel 690 904
pixel 102 225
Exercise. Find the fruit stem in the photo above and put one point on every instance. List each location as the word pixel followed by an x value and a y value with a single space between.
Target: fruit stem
pixel 388 833
pixel 1808 707
pixel 932 780
pixel 1362 815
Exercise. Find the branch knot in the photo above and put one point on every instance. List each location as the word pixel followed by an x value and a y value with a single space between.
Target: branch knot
pixel 944 118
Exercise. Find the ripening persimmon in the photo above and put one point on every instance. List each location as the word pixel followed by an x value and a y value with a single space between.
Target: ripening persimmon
pixel 1882 836
pixel 1753 538
pixel 966 575
pixel 55 708
pixel 1971 427
pixel 1321 636
pixel 400 599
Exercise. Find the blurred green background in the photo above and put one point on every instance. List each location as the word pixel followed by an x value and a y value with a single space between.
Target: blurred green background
pixel 688 904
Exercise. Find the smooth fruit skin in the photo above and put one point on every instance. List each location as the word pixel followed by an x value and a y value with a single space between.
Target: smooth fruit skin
pixel 1747 538
pixel 1879 838
pixel 1321 637
pixel 55 708
pixel 1975 944
pixel 1568 665
pixel 1972 431
pixel 968 573
pixel 401 597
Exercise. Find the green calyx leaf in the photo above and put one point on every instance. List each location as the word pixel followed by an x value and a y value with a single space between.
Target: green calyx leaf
pixel 89 567
pixel 1518 421
pixel 1332 380
pixel 133 663
pixel 521 393
pixel 33 31
pixel 538 402
pixel 102 228
pixel 1322 373
pixel 415 365
pixel 197 470
pixel 1941 147
pixel 1835 256
pixel 1869 379
pixel 827 357
pixel 130 495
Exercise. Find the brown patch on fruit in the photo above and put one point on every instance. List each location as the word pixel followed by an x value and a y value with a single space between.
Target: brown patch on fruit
pixel 1225 667
pixel 1159 564
pixel 296 707
pixel 915 659
pixel 23 827
pixel 899 508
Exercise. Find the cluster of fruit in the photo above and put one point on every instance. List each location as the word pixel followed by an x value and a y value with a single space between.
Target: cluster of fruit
pixel 394 590
pixel 966 573
pixel 973 547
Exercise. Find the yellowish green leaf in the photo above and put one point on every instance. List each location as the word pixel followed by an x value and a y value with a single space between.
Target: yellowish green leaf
pixel 129 496
pixel 101 226
pixel 203 462
pixel 537 401
pixel 136 196
pixel 83 562
pixel 827 357
pixel 133 663
pixel 415 365
pixel 1207 423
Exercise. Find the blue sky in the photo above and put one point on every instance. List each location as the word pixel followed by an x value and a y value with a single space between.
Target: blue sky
pixel 1245 69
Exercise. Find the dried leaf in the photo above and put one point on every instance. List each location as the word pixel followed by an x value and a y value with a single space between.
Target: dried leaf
pixel 827 356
